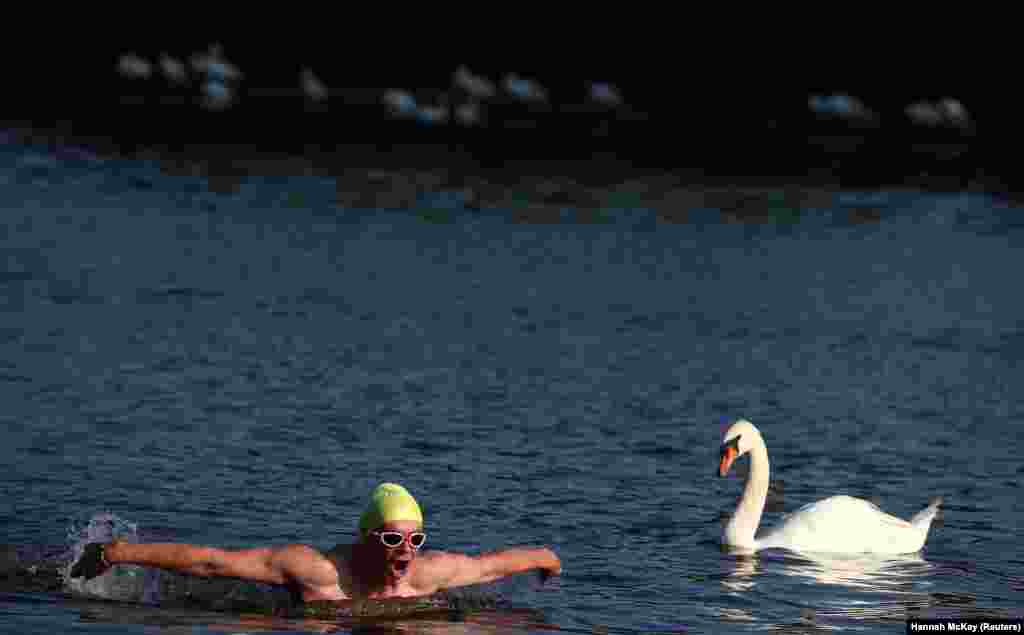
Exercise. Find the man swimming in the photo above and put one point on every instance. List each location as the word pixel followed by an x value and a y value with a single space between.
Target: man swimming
pixel 386 562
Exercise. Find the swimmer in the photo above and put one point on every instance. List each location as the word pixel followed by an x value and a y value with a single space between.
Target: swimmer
pixel 386 562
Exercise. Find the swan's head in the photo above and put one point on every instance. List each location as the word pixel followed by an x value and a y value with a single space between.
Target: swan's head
pixel 738 440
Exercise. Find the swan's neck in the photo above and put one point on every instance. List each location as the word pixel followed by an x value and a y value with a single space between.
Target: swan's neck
pixel 741 528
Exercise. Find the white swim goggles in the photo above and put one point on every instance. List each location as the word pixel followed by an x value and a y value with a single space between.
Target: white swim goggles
pixel 394 539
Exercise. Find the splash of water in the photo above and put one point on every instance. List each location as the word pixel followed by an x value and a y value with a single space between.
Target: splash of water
pixel 126 583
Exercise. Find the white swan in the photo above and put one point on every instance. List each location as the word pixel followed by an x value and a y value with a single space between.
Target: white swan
pixel 840 524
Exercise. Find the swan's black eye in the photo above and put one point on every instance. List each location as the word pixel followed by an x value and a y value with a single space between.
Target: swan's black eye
pixel 733 443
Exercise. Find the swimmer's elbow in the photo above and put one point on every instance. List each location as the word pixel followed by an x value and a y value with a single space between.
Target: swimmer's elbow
pixel 506 563
pixel 209 562
pixel 463 570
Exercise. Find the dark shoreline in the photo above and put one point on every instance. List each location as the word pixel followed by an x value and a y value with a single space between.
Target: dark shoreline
pixel 396 174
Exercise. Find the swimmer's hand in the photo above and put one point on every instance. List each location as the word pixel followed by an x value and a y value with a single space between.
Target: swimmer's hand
pixel 551 567
pixel 92 563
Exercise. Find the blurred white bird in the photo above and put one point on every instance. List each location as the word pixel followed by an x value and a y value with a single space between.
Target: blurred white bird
pixel 215 65
pixel 924 113
pixel 173 70
pixel 955 111
pixel 524 89
pixel 475 85
pixel 312 87
pixel 134 67
pixel 400 103
pixel 840 105
pixel 945 112
pixel 221 77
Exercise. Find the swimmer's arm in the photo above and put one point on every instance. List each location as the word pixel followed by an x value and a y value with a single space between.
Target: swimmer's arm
pixel 442 570
pixel 298 564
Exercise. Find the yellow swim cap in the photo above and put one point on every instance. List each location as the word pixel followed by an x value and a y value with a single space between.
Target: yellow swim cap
pixel 389 502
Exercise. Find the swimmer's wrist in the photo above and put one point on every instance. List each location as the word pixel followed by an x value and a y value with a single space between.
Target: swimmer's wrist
pixel 105 554
pixel 552 561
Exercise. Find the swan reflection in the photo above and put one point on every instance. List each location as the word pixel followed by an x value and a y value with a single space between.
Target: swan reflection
pixel 873 572
pixel 886 587
pixel 740 571
pixel 889 573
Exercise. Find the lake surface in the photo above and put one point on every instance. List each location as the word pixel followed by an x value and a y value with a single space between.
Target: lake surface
pixel 241 370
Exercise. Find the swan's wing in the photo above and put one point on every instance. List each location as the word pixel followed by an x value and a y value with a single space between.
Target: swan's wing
pixel 845 508
pixel 839 523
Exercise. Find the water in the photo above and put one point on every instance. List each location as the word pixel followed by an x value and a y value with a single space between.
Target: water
pixel 240 370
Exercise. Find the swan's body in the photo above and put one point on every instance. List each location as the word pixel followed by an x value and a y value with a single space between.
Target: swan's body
pixel 839 524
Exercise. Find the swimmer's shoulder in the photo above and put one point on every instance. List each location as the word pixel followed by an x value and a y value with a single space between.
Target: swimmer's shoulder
pixel 429 563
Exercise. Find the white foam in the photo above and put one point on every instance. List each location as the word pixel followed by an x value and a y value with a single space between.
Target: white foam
pixel 129 583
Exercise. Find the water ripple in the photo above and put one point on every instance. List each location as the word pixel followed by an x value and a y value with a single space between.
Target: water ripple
pixel 249 379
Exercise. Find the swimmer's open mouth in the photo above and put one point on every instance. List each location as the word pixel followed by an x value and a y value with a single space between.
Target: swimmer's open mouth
pixel 401 566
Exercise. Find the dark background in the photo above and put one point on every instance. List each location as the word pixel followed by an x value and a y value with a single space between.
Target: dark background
pixel 721 106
